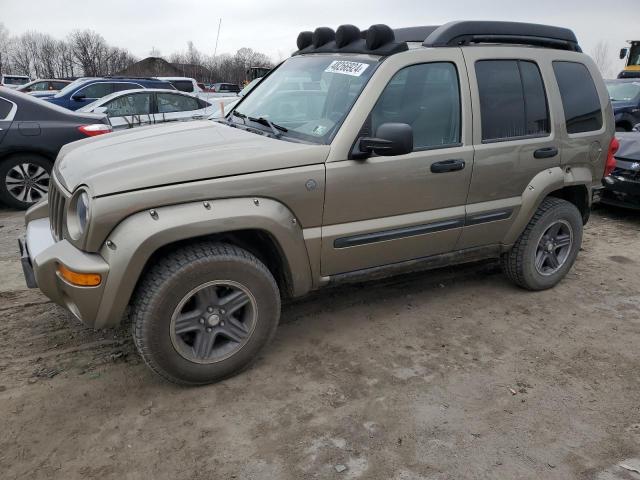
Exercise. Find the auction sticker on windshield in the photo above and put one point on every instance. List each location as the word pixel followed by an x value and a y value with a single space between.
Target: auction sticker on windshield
pixel 345 67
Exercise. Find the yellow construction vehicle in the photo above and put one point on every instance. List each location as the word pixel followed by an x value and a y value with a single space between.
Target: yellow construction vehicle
pixel 632 54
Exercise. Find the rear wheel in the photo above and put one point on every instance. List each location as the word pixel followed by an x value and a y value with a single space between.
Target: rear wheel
pixel 24 180
pixel 204 312
pixel 547 248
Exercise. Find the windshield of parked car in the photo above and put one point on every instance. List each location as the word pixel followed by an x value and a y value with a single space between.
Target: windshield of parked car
pixel 624 91
pixel 307 96
pixel 71 86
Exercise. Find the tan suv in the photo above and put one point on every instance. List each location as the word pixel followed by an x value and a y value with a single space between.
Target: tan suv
pixel 364 154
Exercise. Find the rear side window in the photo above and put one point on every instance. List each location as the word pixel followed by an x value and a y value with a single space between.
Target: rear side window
pixel 171 102
pixel 513 102
pixel 5 108
pixel 183 85
pixel 580 100
pixel 118 87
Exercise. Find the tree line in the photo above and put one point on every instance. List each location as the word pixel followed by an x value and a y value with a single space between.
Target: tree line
pixel 87 53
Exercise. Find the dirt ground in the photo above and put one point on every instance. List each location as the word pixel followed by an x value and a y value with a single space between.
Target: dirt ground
pixel 453 374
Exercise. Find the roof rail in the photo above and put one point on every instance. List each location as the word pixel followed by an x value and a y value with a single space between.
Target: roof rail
pixel 469 32
pixel 126 77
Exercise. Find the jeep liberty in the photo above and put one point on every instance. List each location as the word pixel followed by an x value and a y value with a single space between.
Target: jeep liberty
pixel 365 154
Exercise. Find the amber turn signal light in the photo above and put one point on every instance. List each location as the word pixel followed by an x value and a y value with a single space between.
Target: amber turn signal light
pixel 79 279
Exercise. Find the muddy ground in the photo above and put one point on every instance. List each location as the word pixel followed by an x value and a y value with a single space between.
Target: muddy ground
pixel 453 374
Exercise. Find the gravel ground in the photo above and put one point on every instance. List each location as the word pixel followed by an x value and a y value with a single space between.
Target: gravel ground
pixel 451 374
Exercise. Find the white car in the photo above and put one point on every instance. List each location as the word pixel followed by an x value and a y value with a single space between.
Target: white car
pixel 134 108
pixel 189 85
pixel 14 81
pixel 229 102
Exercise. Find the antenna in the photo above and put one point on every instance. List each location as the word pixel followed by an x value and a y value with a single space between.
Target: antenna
pixel 215 50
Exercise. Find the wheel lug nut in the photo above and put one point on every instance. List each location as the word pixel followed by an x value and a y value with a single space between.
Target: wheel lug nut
pixel 209 309
pixel 209 330
pixel 222 324
pixel 202 320
pixel 222 311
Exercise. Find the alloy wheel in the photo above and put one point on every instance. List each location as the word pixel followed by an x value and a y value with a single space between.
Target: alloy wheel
pixel 213 321
pixel 27 182
pixel 554 248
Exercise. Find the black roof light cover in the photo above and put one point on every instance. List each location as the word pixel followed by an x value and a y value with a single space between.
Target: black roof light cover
pixel 377 40
pixel 469 32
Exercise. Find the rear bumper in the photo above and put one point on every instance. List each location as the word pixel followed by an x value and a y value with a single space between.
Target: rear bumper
pixel 41 255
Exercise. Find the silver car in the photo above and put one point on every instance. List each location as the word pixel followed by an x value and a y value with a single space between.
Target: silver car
pixel 134 108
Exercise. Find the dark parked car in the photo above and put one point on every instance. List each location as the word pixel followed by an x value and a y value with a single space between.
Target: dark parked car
pixel 87 90
pixel 622 187
pixel 625 98
pixel 226 88
pixel 31 135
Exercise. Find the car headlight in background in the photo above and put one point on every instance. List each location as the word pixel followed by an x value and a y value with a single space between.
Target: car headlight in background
pixel 78 214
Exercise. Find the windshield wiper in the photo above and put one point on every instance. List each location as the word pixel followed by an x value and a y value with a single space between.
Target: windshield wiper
pixel 239 115
pixel 268 123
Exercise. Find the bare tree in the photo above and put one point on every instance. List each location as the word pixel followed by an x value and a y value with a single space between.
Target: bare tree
pixel 5 48
pixel 601 55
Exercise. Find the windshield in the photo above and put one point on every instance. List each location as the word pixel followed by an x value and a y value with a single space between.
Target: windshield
pixel 15 80
pixel 309 96
pixel 70 87
pixel 624 91
pixel 634 55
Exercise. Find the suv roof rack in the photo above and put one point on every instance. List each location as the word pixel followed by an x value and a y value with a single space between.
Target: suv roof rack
pixel 382 40
pixel 468 32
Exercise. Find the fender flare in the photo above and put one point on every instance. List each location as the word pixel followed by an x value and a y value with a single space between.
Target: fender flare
pixel 538 188
pixel 134 240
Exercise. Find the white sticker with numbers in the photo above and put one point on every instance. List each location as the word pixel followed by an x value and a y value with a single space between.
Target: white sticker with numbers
pixel 345 67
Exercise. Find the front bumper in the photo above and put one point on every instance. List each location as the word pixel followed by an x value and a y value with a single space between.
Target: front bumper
pixel 621 191
pixel 41 255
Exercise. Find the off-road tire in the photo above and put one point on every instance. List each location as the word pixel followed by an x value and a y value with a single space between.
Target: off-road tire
pixel 170 279
pixel 10 162
pixel 519 263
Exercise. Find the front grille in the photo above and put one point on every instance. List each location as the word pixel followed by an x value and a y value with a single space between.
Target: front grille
pixel 57 206
pixel 628 174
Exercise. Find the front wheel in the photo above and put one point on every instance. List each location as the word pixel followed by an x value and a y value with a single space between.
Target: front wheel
pixel 24 180
pixel 547 248
pixel 204 312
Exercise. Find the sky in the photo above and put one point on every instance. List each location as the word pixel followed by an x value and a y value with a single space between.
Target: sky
pixel 271 26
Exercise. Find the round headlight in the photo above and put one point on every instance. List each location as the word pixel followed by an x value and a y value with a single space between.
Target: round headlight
pixel 78 214
pixel 82 210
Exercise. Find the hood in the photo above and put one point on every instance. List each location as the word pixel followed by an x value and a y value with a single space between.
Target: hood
pixel 629 146
pixel 619 105
pixel 173 153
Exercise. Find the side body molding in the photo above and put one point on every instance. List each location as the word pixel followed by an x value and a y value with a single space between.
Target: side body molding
pixel 136 238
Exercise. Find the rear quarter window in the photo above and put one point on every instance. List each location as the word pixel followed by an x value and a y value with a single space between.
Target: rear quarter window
pixel 5 108
pixel 580 101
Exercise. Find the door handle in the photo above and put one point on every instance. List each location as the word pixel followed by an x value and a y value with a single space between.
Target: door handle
pixel 197 117
pixel 547 152
pixel 447 166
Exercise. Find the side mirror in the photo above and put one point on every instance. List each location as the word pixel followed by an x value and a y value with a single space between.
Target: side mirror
pixel 623 53
pixel 636 128
pixel 391 139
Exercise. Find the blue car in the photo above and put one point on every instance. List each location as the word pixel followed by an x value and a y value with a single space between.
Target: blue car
pixel 86 90
pixel 625 99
